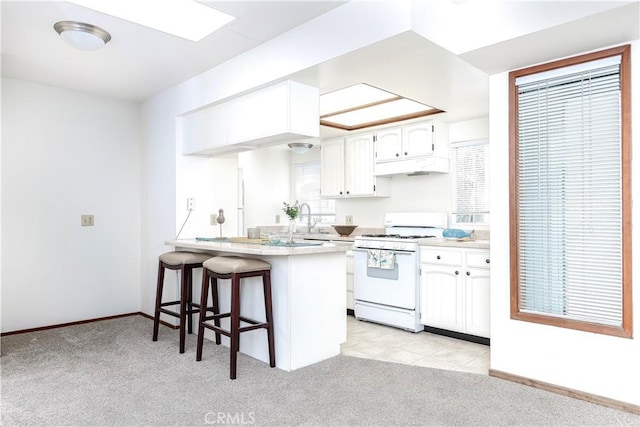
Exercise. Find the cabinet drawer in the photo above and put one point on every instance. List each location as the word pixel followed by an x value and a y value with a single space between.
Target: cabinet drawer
pixel 441 256
pixel 478 259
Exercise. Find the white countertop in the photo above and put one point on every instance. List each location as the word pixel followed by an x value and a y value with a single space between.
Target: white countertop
pixel 256 248
pixel 461 244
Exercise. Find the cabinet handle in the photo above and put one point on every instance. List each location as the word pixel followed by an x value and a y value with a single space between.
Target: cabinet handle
pixel 347 192
pixel 397 154
pixel 438 257
pixel 405 153
pixel 341 193
pixel 468 273
pixel 487 260
pixel 457 272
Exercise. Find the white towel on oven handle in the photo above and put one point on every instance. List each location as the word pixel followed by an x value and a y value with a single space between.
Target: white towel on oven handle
pixel 373 258
pixel 387 260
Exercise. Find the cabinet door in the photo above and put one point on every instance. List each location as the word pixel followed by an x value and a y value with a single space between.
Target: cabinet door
pixel 417 140
pixel 477 293
pixel 359 162
pixel 441 297
pixel 388 145
pixel 332 168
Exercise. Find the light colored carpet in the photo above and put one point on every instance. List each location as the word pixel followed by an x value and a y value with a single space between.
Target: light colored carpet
pixel 111 373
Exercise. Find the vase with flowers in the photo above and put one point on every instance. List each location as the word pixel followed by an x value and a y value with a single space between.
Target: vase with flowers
pixel 292 212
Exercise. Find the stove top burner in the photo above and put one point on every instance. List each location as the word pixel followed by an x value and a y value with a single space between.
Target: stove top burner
pixel 397 236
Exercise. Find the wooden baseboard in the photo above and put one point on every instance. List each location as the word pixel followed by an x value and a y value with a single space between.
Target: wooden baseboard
pixel 588 397
pixel 62 325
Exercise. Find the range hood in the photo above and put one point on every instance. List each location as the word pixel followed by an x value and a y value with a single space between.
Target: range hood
pixel 284 112
pixel 415 166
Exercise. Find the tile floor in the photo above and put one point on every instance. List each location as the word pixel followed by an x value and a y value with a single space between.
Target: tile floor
pixel 372 341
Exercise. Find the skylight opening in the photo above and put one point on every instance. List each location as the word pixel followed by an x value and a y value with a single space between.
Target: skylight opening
pixel 187 19
pixel 361 106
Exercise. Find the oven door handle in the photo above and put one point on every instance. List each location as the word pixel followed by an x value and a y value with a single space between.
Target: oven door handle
pixel 397 252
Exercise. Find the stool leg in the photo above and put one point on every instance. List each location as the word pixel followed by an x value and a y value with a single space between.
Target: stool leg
pixel 235 324
pixel 159 287
pixel 268 308
pixel 188 299
pixel 203 312
pixel 183 305
pixel 216 307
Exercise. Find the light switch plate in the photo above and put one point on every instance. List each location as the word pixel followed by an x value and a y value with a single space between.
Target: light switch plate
pixel 191 203
pixel 348 219
pixel 214 219
pixel 277 219
pixel 86 220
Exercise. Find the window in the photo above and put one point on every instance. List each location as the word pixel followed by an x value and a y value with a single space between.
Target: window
pixel 570 193
pixel 470 161
pixel 306 188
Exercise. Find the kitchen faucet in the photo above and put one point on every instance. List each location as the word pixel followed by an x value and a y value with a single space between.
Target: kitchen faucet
pixel 309 225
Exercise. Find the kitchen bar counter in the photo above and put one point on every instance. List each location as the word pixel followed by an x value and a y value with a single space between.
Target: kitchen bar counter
pixel 308 296
pixel 256 248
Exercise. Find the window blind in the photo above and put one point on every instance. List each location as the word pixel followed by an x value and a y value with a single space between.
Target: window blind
pixel 471 189
pixel 569 193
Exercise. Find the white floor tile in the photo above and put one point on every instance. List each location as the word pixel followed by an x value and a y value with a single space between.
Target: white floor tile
pixel 372 341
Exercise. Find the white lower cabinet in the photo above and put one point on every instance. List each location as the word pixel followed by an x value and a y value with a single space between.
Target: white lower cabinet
pixel 455 289
pixel 350 298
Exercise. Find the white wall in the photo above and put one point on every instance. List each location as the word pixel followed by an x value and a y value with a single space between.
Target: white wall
pixel 599 364
pixel 267 178
pixel 68 153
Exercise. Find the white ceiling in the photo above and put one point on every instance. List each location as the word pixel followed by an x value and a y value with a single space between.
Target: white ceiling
pixel 139 62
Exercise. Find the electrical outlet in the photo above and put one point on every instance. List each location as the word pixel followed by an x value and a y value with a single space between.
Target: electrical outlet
pixel 191 203
pixel 214 219
pixel 277 219
pixel 86 220
pixel 348 219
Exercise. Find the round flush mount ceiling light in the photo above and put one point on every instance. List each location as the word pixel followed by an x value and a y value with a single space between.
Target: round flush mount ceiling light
pixel 81 35
pixel 300 147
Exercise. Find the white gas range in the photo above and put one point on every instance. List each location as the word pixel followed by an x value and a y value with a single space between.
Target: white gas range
pixel 387 269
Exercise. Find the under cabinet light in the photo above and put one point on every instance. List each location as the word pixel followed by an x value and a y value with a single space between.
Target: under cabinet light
pixel 300 147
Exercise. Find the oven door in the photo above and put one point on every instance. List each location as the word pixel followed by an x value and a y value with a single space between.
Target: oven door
pixel 395 287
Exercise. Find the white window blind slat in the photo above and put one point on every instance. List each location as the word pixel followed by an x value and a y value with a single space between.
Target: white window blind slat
pixel 569 192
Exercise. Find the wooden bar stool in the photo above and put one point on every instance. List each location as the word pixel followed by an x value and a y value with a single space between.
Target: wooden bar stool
pixel 234 268
pixel 185 262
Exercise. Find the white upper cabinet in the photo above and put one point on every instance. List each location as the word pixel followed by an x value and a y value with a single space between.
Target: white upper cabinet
pixel 347 166
pixel 388 144
pixel 404 142
pixel 273 115
pixel 417 140
pixel 332 168
pixel 421 147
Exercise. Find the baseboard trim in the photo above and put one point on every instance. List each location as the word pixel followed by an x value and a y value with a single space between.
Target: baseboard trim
pixel 588 397
pixel 62 325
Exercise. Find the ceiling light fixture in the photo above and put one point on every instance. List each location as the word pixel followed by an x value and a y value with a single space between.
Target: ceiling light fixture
pixel 361 106
pixel 300 147
pixel 188 19
pixel 81 35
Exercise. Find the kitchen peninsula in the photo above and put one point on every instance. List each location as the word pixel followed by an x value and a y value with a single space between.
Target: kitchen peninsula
pixel 309 304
